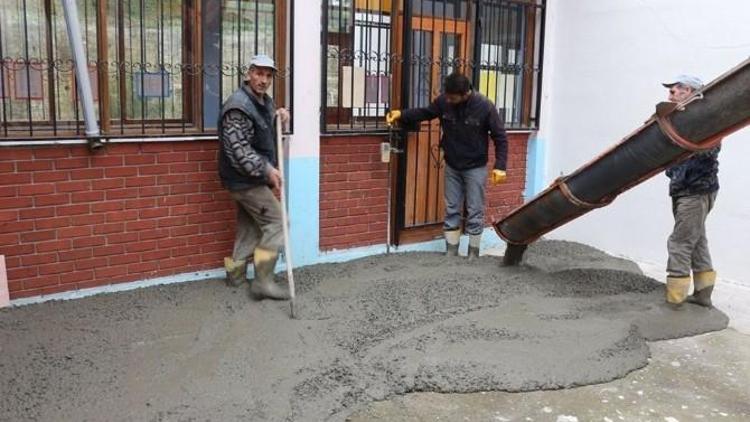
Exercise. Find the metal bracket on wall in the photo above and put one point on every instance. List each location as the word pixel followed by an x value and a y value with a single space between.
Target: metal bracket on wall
pixel 386 149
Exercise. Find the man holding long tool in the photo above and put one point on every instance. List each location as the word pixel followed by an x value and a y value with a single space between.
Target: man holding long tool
pixel 693 186
pixel 466 118
pixel 248 169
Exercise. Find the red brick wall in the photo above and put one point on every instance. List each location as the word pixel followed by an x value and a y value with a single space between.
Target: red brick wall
pixel 504 198
pixel 353 192
pixel 353 189
pixel 72 220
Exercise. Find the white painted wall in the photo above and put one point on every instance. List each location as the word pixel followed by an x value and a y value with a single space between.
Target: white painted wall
pixel 307 72
pixel 603 64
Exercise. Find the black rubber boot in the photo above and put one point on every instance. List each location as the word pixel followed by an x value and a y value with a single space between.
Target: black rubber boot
pixel 264 286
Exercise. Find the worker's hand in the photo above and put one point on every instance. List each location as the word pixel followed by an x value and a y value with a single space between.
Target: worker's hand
pixel 274 178
pixel 284 114
pixel 392 116
pixel 498 177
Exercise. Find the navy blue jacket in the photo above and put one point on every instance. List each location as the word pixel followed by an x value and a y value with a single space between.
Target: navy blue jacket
pixel 695 176
pixel 466 128
pixel 247 147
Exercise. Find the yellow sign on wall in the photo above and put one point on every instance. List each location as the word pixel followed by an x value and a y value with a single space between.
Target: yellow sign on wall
pixel 383 6
pixel 499 88
pixel 488 85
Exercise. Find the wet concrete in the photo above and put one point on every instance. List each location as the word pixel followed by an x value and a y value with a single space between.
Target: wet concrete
pixel 367 330
pixel 701 378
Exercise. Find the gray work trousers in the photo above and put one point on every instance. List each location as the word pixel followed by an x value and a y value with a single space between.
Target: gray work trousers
pixel 259 223
pixel 469 185
pixel 688 245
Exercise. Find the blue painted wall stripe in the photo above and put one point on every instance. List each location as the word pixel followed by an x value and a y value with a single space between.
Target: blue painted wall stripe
pixel 535 167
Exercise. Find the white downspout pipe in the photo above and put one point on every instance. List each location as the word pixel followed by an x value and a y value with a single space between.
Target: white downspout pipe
pixel 82 75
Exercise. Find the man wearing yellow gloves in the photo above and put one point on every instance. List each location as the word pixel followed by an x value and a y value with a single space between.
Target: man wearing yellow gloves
pixel 467 119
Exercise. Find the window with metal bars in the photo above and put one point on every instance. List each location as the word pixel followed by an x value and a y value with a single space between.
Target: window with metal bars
pixel 507 66
pixel 501 52
pixel 356 81
pixel 145 61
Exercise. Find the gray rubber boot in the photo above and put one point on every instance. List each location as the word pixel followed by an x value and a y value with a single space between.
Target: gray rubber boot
pixel 451 250
pixel 704 285
pixel 452 240
pixel 702 297
pixel 236 271
pixel 264 286
pixel 474 241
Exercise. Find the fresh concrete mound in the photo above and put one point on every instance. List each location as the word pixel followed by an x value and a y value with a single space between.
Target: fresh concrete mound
pixel 366 330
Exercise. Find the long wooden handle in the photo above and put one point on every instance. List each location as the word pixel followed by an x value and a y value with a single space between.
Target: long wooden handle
pixel 284 216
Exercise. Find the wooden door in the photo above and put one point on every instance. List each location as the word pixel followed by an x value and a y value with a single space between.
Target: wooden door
pixel 438 47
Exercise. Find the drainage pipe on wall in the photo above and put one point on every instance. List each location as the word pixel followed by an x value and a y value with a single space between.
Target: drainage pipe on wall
pixel 82 75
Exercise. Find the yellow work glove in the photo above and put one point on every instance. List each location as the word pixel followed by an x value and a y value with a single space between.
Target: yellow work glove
pixel 498 177
pixel 392 116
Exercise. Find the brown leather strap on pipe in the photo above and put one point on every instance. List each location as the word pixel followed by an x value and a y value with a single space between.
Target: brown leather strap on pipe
pixel 669 131
pixel 578 202
pixel 663 111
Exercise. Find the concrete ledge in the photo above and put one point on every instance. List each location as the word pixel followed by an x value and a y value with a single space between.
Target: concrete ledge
pixel 121 287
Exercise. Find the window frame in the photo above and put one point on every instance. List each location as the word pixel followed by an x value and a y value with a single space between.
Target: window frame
pixel 189 122
pixel 338 119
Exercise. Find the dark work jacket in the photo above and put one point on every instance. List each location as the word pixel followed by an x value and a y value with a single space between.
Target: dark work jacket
pixel 697 175
pixel 262 138
pixel 466 128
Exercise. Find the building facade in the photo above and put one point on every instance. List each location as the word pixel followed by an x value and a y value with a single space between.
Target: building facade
pixel 569 78
pixel 148 207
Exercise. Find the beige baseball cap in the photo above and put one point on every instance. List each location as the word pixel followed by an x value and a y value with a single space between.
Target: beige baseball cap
pixel 686 80
pixel 261 60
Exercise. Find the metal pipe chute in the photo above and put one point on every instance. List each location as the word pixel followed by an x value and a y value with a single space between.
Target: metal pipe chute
pixel 674 133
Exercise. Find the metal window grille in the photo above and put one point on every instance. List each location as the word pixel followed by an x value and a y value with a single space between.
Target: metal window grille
pixel 507 63
pixel 500 51
pixel 356 81
pixel 144 62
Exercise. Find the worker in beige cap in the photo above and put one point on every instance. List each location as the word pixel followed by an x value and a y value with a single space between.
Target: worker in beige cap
pixel 248 169
pixel 693 186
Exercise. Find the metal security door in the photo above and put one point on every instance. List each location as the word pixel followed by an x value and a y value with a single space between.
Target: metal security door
pixel 437 40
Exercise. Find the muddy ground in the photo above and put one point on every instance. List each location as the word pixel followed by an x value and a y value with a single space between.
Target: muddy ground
pixel 366 330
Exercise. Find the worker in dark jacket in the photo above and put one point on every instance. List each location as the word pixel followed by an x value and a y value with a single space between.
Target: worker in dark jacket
pixel 248 169
pixel 467 119
pixel 693 186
